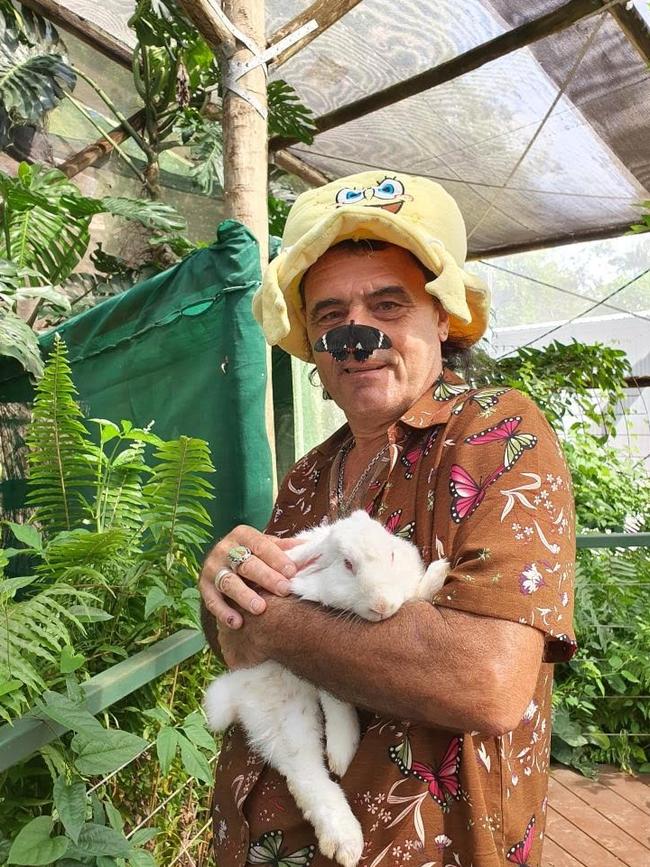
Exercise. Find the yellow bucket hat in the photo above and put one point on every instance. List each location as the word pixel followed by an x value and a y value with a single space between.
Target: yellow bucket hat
pixel 411 212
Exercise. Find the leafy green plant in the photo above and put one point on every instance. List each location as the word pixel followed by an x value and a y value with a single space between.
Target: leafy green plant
pixel 34 71
pixel 644 224
pixel 576 381
pixel 114 566
pixel 601 706
pixel 45 233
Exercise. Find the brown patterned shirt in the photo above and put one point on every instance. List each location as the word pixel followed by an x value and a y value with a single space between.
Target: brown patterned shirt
pixel 476 476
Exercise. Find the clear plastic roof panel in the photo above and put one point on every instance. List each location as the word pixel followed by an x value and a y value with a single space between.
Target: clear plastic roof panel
pixel 547 142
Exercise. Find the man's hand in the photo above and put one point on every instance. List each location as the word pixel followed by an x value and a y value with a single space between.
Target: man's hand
pixel 249 646
pixel 268 568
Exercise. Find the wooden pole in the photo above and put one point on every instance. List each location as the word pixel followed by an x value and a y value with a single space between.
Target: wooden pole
pixel 83 29
pixel 89 155
pixel 295 166
pixel 635 28
pixel 553 22
pixel 245 142
pixel 245 137
pixel 324 12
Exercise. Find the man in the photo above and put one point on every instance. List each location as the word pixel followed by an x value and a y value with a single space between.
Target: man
pixel 455 696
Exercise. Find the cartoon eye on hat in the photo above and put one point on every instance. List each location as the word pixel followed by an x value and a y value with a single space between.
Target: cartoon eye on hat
pixel 348 196
pixel 388 189
pixel 390 193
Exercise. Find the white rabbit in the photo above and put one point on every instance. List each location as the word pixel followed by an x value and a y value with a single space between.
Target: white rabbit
pixel 355 565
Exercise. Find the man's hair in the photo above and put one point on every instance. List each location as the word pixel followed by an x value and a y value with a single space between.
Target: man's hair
pixel 456 354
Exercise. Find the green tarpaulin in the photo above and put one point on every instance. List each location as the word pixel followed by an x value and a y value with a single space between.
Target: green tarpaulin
pixel 181 348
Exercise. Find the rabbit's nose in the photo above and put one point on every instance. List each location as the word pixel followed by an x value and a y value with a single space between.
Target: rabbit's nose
pixel 381 607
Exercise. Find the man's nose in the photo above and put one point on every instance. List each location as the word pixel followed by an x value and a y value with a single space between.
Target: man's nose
pixel 368 193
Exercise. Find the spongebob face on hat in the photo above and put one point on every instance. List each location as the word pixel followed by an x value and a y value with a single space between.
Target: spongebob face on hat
pixel 415 213
pixel 388 194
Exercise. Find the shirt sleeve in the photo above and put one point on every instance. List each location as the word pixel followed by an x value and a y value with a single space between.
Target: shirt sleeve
pixel 505 518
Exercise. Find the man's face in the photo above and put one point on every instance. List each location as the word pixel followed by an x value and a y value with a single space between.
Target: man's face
pixel 385 289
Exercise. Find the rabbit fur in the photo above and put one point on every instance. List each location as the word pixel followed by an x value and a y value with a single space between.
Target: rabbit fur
pixel 355 565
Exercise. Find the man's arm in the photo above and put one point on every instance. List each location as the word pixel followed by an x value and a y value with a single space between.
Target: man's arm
pixel 428 664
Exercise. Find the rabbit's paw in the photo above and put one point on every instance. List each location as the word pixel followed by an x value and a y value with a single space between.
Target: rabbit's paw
pixel 340 752
pixel 342 840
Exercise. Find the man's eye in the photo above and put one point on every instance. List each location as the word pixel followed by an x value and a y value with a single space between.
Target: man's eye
pixel 388 305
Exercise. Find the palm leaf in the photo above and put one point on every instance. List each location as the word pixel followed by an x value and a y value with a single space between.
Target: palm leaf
pixel 34 71
pixel 43 233
pixel 153 215
pixel 288 117
pixel 19 341
pixel 207 153
pixel 61 468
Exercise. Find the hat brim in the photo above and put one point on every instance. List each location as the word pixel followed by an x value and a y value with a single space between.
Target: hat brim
pixel 464 296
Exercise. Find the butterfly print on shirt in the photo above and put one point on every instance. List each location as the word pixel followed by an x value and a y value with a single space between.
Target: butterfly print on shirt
pixel 411 456
pixel 520 852
pixel 486 398
pixel 443 390
pixel 467 495
pixel 392 525
pixel 506 431
pixel 443 781
pixel 268 850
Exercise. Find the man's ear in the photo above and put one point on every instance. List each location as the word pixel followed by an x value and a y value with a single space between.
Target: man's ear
pixel 443 321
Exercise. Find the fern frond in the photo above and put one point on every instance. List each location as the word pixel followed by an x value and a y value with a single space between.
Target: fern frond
pixel 120 502
pixel 32 635
pixel 59 459
pixel 78 548
pixel 177 520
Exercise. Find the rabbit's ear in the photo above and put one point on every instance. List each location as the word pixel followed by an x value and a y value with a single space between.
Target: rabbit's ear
pixel 311 547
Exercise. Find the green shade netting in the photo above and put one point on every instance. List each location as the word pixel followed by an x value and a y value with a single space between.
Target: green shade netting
pixel 181 348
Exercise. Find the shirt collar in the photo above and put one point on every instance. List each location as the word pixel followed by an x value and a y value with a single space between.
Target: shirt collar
pixel 431 408
pixel 435 405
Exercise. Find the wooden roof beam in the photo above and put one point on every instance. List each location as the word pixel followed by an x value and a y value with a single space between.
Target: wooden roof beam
pixel 295 166
pixel 635 28
pixel 546 25
pixel 207 21
pixel 83 29
pixel 325 12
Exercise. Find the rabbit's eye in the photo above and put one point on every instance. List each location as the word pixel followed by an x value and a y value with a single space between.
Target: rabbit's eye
pixel 348 565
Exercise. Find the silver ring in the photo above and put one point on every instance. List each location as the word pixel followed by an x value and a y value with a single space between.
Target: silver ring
pixel 238 555
pixel 218 578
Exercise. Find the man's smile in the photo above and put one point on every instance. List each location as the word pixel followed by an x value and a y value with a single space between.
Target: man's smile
pixel 363 369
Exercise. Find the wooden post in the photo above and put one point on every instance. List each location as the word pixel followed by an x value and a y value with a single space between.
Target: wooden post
pixel 245 137
pixel 245 132
pixel 245 158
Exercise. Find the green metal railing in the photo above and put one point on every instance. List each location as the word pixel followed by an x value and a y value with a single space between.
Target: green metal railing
pixel 28 734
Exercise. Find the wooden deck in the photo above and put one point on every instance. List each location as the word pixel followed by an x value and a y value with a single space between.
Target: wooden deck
pixel 602 823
